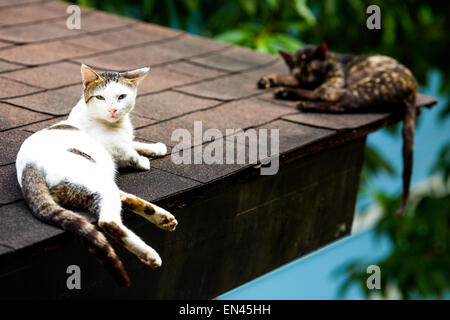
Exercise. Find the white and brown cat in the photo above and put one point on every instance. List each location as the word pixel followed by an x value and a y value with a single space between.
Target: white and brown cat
pixel 72 165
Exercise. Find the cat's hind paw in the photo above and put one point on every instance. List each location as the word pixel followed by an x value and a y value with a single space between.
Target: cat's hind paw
pixel 151 258
pixel 281 93
pixel 286 93
pixel 306 106
pixel 320 106
pixel 165 220
pixel 168 224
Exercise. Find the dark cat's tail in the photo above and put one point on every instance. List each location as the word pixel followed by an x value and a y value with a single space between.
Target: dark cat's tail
pixel 409 123
pixel 44 207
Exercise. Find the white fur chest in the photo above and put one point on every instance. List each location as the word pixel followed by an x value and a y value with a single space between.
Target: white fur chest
pixel 111 135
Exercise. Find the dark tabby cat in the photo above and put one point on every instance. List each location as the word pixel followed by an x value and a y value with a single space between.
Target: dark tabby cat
pixel 331 82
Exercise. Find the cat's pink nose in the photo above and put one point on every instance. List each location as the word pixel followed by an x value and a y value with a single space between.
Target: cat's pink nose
pixel 112 110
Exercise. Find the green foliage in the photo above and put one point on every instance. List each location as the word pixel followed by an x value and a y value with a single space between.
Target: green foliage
pixel 266 25
pixel 420 259
pixel 413 31
pixel 419 262
pixel 442 165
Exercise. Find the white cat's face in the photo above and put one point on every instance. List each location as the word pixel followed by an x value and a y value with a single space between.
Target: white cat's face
pixel 109 96
pixel 111 102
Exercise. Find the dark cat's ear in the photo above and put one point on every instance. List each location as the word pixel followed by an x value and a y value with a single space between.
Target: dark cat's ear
pixel 321 51
pixel 135 76
pixel 288 58
pixel 88 75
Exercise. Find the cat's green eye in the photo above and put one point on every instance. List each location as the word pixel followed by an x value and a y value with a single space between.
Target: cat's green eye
pixel 100 97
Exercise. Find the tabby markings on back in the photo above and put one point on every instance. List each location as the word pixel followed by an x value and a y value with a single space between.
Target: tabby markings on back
pixel 324 81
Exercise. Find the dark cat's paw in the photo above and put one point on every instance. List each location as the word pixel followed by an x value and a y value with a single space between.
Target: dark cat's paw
pixel 282 93
pixel 267 81
pixel 320 106
pixel 307 106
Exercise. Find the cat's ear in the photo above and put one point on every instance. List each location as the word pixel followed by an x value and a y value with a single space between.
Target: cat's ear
pixel 321 51
pixel 288 58
pixel 88 75
pixel 135 76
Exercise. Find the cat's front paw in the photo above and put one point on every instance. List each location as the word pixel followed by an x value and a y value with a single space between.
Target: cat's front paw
pixel 159 149
pixel 151 149
pixel 267 81
pixel 142 163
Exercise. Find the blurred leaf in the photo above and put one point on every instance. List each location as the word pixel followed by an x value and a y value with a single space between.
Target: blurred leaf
pixel 274 42
pixel 442 164
pixel 236 36
pixel 445 112
pixel 87 3
pixel 374 164
pixel 420 258
pixel 272 4
pixel 389 28
pixel 305 12
pixel 249 6
pixel 425 15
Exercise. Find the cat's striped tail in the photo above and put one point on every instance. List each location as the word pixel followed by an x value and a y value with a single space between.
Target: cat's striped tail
pixel 44 207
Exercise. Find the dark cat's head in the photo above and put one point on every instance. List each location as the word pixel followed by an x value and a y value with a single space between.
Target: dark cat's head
pixel 308 64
